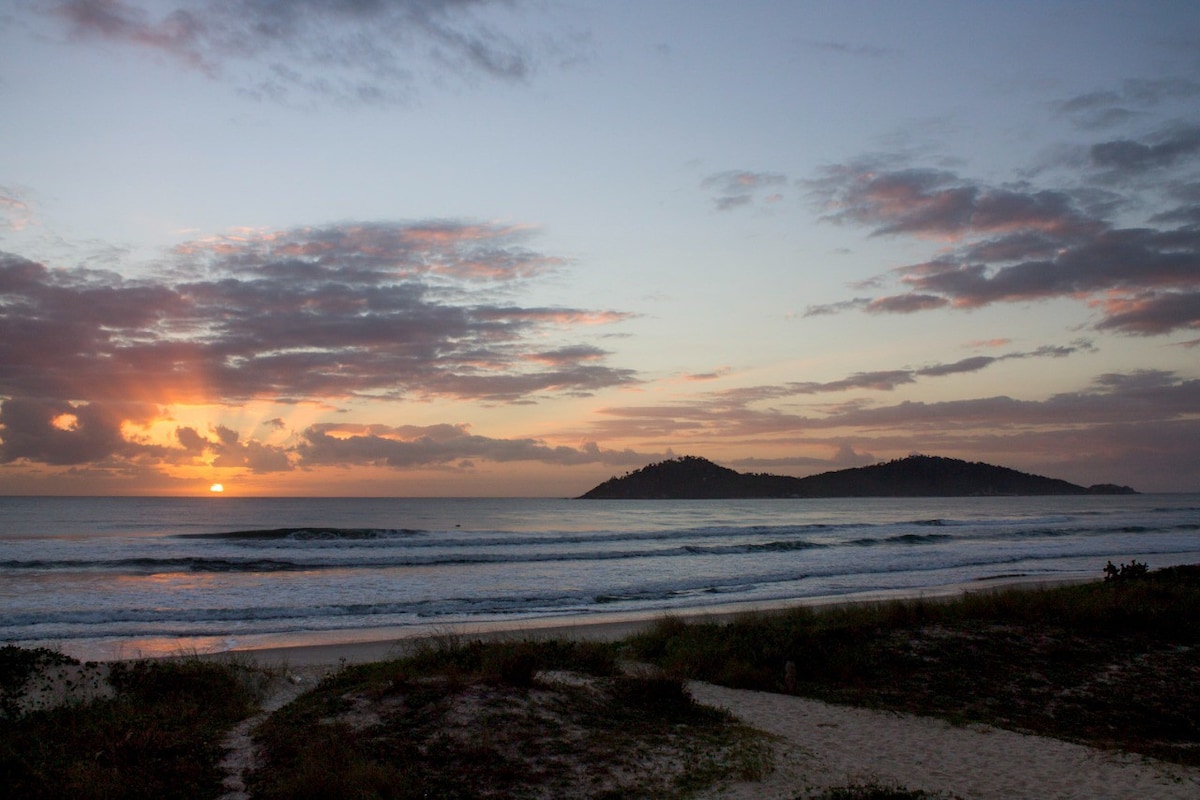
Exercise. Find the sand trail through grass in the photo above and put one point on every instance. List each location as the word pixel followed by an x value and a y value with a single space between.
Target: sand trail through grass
pixel 823 745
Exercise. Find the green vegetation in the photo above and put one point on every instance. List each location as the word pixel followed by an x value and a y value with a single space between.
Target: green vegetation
pixel 158 736
pixel 17 666
pixel 877 791
pixel 506 719
pixel 691 477
pixel 1112 664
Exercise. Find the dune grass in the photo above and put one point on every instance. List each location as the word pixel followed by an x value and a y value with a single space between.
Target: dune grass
pixel 503 719
pixel 1114 664
pixel 158 736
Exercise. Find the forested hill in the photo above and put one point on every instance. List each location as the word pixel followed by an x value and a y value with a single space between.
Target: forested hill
pixel 694 478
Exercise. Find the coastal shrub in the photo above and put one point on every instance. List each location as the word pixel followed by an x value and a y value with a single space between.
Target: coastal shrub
pixel 511 663
pixel 655 692
pixel 17 666
pixel 874 791
pixel 459 720
pixel 157 737
pixel 1100 662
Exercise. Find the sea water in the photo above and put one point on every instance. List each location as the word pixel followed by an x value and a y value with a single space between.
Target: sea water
pixel 120 577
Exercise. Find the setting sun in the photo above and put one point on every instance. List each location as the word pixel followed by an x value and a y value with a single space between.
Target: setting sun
pixel 216 488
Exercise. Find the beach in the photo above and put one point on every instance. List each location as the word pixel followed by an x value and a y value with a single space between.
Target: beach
pixel 823 745
pixel 113 578
pixel 816 745
pixel 302 590
pixel 357 647
pixel 820 745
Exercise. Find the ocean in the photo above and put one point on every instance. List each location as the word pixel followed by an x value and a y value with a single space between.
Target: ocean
pixel 103 578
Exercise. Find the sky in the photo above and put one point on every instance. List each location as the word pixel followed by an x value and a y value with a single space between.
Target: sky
pixel 516 247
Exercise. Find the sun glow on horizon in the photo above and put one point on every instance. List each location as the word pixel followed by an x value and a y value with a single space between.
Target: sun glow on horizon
pixel 216 488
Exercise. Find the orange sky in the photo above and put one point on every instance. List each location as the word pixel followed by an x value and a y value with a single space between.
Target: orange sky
pixel 512 249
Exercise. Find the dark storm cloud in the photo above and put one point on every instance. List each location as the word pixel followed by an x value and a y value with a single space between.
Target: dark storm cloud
pixel 1018 243
pixel 733 189
pixel 352 50
pixel 60 433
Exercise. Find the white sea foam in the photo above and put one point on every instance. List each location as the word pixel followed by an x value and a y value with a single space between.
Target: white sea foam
pixel 84 570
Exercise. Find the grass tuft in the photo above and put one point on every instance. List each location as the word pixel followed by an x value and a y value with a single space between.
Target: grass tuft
pixel 1099 663
pixel 157 737
pixel 502 719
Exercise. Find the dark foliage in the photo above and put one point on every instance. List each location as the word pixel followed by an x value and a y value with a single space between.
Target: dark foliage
pixel 691 478
pixel 1113 664
pixel 17 666
pixel 475 720
pixel 158 737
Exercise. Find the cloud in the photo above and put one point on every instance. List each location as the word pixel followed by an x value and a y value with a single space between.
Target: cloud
pixel 569 355
pixel 735 412
pixel 836 308
pixel 15 214
pixel 62 433
pixel 1152 313
pixel 848 49
pixel 1108 108
pixel 1139 424
pixel 349 50
pixel 344 311
pixel 905 304
pixel 1163 150
pixel 375 311
pixel 972 364
pixel 1020 243
pixel 844 457
pixel 733 189
pixel 413 446
pixel 938 203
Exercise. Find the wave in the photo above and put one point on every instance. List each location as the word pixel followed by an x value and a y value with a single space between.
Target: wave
pixel 903 538
pixel 665 594
pixel 309 534
pixel 416 549
pixel 158 565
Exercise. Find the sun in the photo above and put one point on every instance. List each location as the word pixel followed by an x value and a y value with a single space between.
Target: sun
pixel 216 488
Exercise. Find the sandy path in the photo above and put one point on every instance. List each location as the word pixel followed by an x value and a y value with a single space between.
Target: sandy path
pixel 825 745
pixel 240 752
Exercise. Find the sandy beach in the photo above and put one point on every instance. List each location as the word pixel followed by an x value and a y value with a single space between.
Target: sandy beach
pixel 817 745
pixel 820 745
pixel 355 647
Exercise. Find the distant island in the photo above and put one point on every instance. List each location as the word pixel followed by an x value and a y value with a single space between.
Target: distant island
pixel 695 478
